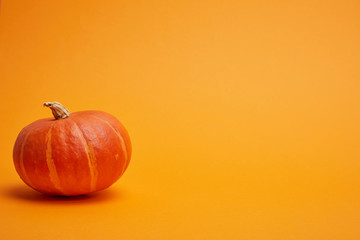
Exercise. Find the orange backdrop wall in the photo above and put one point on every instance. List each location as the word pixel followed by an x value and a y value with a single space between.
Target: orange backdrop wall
pixel 244 116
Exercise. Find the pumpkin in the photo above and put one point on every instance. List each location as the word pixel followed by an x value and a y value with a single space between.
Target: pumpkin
pixel 73 154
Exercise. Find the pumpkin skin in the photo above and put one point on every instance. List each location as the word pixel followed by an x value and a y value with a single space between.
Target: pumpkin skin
pixel 83 153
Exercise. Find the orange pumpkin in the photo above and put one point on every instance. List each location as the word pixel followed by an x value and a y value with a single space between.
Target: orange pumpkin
pixel 72 154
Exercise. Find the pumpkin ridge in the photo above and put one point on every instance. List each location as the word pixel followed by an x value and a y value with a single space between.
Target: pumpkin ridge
pixel 21 161
pixel 90 156
pixel 122 142
pixel 53 175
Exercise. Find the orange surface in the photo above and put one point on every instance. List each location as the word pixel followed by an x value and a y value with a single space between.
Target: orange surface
pixel 244 116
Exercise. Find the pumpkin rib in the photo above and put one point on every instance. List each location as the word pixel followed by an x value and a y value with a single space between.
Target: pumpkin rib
pixel 117 125
pixel 21 161
pixel 53 175
pixel 125 135
pixel 122 142
pixel 90 156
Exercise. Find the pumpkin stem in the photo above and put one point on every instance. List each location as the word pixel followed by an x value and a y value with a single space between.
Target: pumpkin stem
pixel 58 110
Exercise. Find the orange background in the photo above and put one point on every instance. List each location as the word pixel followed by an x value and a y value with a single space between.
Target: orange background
pixel 244 116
